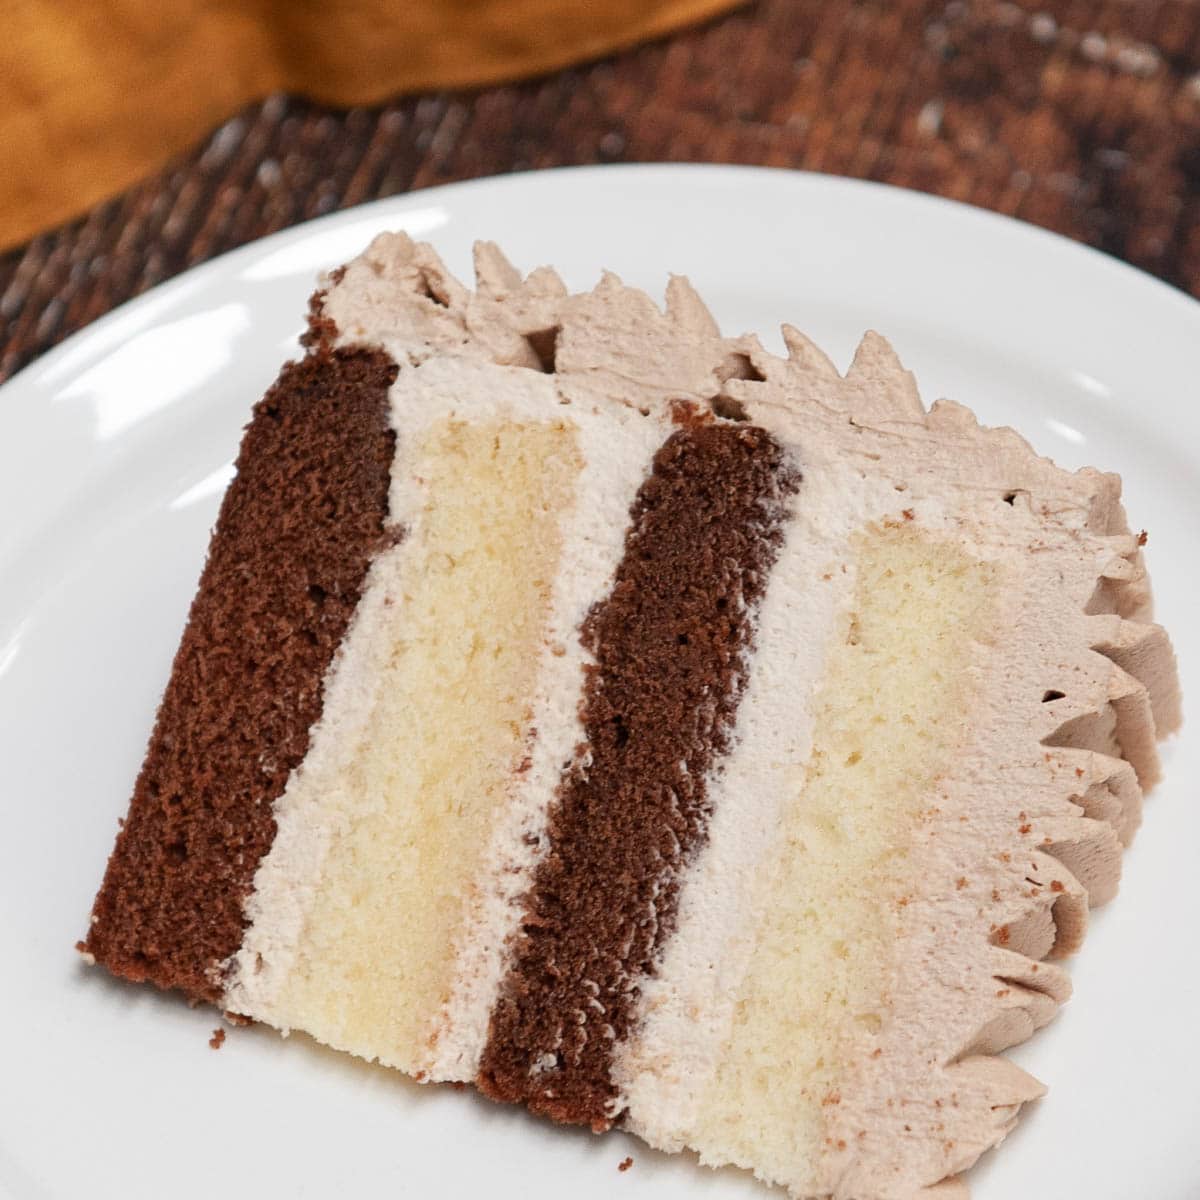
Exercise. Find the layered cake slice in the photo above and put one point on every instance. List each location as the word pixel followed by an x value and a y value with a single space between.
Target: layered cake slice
pixel 645 728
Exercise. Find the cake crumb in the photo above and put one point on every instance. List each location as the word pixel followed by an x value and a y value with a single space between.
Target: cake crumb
pixel 625 1164
pixel 1143 538
pixel 961 882
pixel 218 1039
pixel 1057 885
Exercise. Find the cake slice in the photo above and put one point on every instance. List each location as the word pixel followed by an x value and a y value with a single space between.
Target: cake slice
pixel 645 728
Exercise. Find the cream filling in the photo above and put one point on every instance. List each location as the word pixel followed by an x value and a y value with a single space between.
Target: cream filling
pixel 380 915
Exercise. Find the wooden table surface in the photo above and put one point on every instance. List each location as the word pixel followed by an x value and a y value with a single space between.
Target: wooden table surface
pixel 1079 115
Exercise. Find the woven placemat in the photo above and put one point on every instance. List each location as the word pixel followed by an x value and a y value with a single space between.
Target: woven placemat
pixel 1079 116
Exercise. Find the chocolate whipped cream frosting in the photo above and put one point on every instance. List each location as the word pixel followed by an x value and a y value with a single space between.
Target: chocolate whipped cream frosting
pixel 767 575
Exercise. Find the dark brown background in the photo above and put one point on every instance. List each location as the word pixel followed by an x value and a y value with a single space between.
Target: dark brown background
pixel 1077 115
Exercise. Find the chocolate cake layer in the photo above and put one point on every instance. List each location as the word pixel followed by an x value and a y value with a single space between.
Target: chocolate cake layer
pixel 670 645
pixel 296 533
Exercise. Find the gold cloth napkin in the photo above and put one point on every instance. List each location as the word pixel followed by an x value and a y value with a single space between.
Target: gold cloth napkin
pixel 95 94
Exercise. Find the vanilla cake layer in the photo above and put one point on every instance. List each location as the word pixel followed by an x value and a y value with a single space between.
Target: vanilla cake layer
pixel 672 734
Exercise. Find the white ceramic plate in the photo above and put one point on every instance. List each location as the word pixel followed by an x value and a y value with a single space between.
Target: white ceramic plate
pixel 114 451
